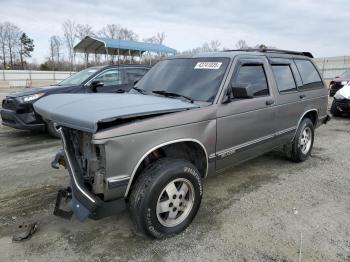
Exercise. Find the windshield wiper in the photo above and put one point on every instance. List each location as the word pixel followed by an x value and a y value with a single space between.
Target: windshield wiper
pixel 141 91
pixel 166 93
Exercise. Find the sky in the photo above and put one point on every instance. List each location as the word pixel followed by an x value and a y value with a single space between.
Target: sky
pixel 318 26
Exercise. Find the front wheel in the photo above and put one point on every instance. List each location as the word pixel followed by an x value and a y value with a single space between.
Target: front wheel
pixel 303 141
pixel 166 197
pixel 50 127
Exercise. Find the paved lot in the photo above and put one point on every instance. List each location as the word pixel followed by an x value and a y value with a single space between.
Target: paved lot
pixel 255 212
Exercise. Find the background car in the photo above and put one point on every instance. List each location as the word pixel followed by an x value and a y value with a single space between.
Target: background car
pixel 338 82
pixel 17 108
pixel 341 101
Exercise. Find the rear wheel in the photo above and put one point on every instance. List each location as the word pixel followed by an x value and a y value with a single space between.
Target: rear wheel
pixel 334 109
pixel 303 142
pixel 166 197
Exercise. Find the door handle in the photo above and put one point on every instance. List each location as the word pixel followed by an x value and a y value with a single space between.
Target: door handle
pixel 302 96
pixel 270 102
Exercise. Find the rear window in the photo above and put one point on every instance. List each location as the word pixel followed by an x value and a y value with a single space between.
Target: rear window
pixel 284 78
pixel 255 76
pixel 308 72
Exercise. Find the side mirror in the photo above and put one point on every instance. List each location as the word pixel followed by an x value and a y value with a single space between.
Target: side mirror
pixel 136 81
pixel 95 84
pixel 238 91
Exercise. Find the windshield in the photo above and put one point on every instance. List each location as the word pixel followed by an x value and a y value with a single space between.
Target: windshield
pixel 80 77
pixel 345 75
pixel 195 78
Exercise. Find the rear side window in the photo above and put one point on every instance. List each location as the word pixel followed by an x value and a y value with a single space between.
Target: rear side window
pixel 255 76
pixel 133 74
pixel 307 72
pixel 284 78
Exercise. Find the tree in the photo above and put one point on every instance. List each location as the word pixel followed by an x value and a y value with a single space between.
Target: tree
pixel 242 44
pixel 26 47
pixel 12 35
pixel 115 31
pixel 156 39
pixel 215 45
pixel 70 35
pixel 55 51
pixel 110 31
pixel 82 32
pixel 3 39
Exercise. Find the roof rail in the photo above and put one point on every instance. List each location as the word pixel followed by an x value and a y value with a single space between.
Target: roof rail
pixel 271 50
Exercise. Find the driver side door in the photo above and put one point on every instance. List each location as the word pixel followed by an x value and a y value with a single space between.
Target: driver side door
pixel 246 126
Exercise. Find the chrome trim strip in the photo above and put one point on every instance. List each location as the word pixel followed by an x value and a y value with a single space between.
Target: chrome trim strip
pixel 161 145
pixel 285 131
pixel 232 150
pixel 64 144
pixel 117 178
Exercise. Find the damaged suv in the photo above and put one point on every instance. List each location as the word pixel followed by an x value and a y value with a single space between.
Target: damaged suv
pixel 189 117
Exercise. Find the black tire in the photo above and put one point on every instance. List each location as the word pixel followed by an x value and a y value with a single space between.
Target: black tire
pixel 51 129
pixel 147 191
pixel 334 110
pixel 297 154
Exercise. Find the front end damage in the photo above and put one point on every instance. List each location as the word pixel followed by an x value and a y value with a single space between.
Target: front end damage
pixel 86 166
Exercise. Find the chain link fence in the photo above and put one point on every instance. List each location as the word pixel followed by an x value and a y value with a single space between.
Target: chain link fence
pixel 331 67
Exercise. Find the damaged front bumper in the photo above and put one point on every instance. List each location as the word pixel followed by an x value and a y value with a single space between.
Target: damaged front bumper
pixel 77 199
pixel 342 105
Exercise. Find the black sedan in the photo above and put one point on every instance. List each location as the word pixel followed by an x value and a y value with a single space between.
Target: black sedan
pixel 17 108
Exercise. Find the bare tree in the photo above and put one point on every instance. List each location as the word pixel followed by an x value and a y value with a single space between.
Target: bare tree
pixel 12 39
pixel 55 51
pixel 115 31
pixel 215 45
pixel 82 32
pixel 161 37
pixel 110 31
pixel 157 39
pixel 57 40
pixel 3 39
pixel 242 44
pixel 70 35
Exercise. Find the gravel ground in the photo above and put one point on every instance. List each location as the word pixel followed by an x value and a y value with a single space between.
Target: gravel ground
pixel 254 212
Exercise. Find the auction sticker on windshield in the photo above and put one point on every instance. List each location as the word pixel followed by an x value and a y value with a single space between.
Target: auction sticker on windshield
pixel 208 65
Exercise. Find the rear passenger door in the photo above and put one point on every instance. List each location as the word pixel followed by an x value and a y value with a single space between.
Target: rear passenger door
pixel 287 81
pixel 245 127
pixel 293 98
pixel 131 75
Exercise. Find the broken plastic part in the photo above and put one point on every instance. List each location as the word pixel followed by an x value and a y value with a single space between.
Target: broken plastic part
pixel 63 204
pixel 24 231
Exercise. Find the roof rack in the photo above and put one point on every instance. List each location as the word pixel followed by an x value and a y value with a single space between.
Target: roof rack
pixel 271 50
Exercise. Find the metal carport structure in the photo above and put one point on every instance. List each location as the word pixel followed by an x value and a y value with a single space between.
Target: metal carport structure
pixel 117 47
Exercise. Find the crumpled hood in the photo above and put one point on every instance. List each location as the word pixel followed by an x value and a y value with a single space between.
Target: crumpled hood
pixel 85 111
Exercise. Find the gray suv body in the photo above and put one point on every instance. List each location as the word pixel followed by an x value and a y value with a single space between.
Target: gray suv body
pixel 189 117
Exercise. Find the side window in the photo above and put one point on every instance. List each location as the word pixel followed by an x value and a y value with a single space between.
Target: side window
pixel 255 76
pixel 284 78
pixel 307 72
pixel 110 77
